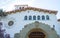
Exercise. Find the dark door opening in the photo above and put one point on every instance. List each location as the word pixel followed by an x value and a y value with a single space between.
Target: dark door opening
pixel 36 35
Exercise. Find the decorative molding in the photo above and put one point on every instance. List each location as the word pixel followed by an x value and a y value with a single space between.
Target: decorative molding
pixel 37 26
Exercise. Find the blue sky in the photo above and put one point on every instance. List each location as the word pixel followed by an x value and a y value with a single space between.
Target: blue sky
pixel 8 5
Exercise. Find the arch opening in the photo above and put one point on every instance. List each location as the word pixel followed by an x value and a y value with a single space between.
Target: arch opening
pixel 36 33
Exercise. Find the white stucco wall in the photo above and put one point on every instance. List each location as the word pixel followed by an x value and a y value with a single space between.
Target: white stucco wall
pixel 19 21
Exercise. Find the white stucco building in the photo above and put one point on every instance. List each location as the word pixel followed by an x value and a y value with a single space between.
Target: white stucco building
pixel 25 20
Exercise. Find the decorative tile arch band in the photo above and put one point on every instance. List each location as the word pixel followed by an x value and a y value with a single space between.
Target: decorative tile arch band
pixel 45 29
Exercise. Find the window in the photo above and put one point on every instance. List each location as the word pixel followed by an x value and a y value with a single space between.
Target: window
pixel 23 7
pixel 30 17
pixel 25 18
pixel 38 17
pixel 43 17
pixel 34 17
pixel 20 8
pixel 47 17
pixel 10 23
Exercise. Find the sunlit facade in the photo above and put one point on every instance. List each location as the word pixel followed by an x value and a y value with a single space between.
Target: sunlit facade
pixel 31 22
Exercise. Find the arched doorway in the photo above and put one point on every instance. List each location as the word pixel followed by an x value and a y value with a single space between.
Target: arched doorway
pixel 36 34
pixel 36 30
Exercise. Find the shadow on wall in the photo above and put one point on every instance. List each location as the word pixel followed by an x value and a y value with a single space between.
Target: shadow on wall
pixel 2 35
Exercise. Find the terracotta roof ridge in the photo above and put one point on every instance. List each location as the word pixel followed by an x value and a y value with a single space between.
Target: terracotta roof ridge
pixel 33 8
pixel 42 9
pixel 58 20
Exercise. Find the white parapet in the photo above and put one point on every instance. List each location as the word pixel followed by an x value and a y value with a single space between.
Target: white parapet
pixel 20 6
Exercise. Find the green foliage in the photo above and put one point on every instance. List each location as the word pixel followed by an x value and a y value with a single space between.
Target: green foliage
pixel 2 13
